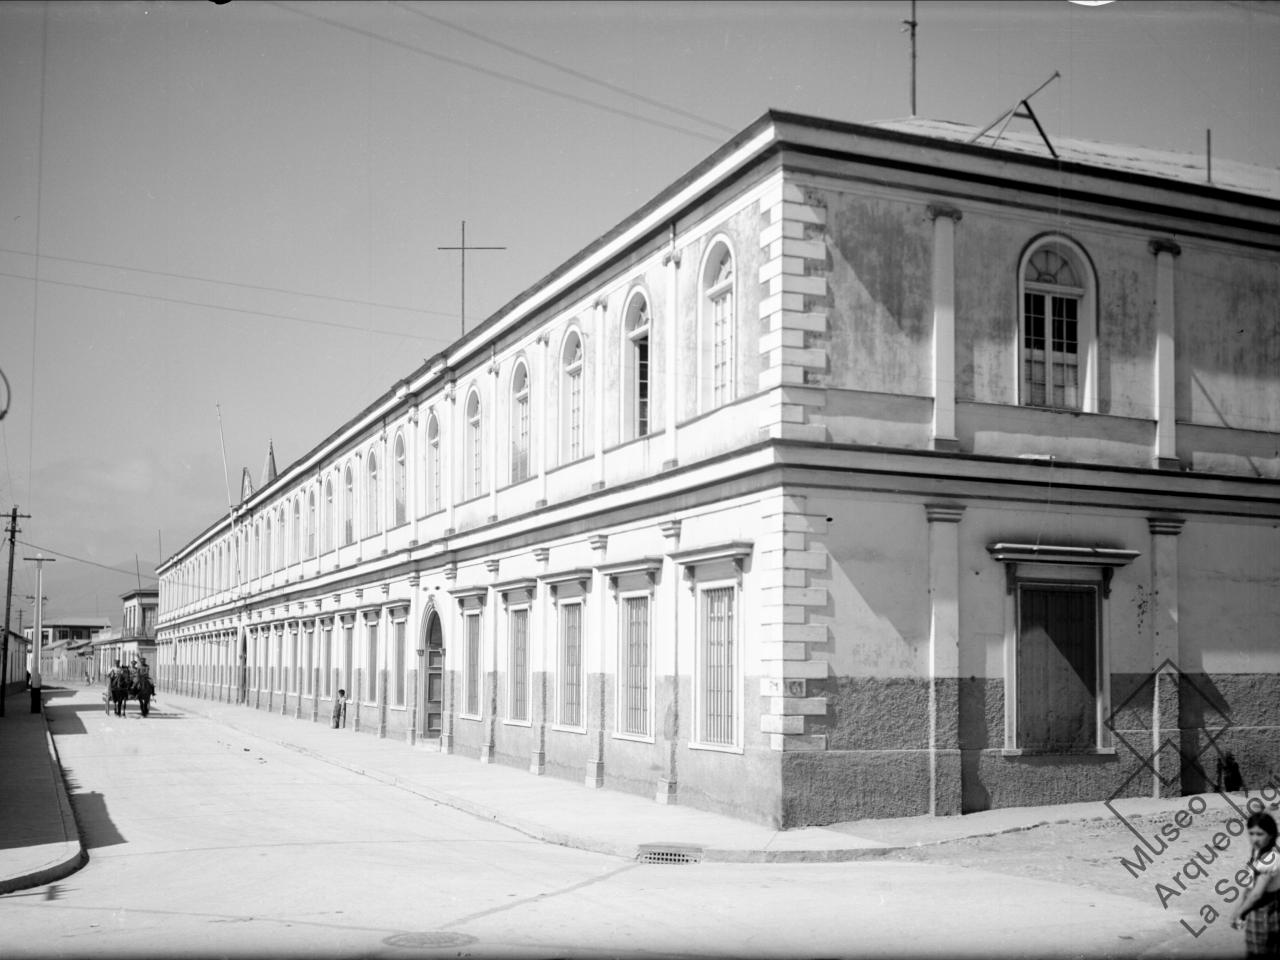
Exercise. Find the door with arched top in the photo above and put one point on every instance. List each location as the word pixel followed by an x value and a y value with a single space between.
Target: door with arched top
pixel 432 722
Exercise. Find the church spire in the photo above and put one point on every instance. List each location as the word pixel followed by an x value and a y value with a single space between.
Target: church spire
pixel 269 468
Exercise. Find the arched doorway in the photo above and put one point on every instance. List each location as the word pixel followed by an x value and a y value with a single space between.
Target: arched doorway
pixel 432 722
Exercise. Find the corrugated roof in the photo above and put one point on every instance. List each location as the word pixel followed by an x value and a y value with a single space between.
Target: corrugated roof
pixel 1186 168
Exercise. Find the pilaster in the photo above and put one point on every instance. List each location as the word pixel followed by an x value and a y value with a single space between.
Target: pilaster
pixel 944 658
pixel 1166 728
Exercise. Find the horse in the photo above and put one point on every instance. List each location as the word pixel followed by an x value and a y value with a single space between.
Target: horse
pixel 118 683
pixel 143 690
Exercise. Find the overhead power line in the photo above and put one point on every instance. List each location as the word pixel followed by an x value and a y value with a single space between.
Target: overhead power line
pixel 576 74
pixel 214 306
pixel 496 74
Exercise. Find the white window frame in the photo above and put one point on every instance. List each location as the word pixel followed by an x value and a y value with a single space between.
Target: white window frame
pixel 637 391
pixel 572 387
pixel 373 495
pixel 327 524
pixel 623 671
pixel 474 413
pixel 513 611
pixel 372 659
pixel 400 481
pixel 1086 324
pixel 700 741
pixel 521 400
pixel 399 657
pixel 348 506
pixel 715 353
pixel 472 665
pixel 434 496
pixel 562 674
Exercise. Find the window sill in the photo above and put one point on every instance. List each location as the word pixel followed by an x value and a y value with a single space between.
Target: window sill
pixel 634 737
pixel 517 723
pixel 717 747
pixel 1015 752
pixel 560 728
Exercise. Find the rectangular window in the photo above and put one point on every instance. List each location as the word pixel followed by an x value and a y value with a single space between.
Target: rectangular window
pixel 518 664
pixel 309 681
pixel 348 658
pixel 398 665
pixel 278 683
pixel 570 664
pixel 634 659
pixel 294 661
pixel 472 693
pixel 1051 350
pixel 717 685
pixel 327 660
pixel 371 665
pixel 1058 676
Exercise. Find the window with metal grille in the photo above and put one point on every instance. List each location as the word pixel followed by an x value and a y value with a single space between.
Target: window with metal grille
pixel 471 699
pixel 398 653
pixel 1058 681
pixel 520 424
pixel 634 656
pixel 570 664
pixel 518 664
pixel 718 681
pixel 371 663
pixel 400 482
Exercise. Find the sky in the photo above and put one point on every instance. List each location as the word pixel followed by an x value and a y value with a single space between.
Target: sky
pixel 220 222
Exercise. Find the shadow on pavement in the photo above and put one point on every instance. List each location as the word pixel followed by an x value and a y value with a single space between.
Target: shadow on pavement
pixel 96 826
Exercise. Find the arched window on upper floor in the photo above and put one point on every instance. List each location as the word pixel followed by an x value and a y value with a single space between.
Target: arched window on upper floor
pixel 475 446
pixel 255 560
pixel 1057 323
pixel 520 423
pixel 434 500
pixel 571 386
pixel 373 496
pixel 268 559
pixel 326 519
pixel 399 484
pixel 281 538
pixel 718 337
pixel 295 539
pixel 348 506
pixel 636 325
pixel 311 523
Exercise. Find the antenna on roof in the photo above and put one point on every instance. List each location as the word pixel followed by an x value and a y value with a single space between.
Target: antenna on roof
pixel 1022 110
pixel 911 25
pixel 1208 155
pixel 222 442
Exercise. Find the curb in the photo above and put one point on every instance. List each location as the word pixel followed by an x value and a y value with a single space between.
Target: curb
pixel 73 855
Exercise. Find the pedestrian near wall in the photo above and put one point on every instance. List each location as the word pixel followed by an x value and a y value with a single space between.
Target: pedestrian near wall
pixel 340 710
pixel 1260 908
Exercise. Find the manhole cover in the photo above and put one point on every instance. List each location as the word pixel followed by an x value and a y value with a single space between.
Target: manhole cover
pixel 429 939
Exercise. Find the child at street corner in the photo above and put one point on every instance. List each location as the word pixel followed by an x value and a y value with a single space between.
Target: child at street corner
pixel 1260 908
pixel 339 709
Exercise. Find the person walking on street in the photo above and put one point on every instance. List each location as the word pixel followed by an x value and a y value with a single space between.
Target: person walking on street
pixel 340 710
pixel 1259 910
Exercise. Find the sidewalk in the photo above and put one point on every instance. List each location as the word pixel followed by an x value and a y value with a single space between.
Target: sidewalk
pixel 39 842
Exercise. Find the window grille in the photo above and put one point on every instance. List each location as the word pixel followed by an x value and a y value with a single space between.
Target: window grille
pixel 518 666
pixel 635 689
pixel 571 664
pixel 718 667
pixel 398 666
pixel 473 664
pixel 371 664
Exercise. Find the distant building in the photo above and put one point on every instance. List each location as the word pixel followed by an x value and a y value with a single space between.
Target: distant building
pixel 865 471
pixel 136 638
pixel 67 646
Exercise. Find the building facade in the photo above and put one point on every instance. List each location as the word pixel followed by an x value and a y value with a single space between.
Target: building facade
pixel 865 471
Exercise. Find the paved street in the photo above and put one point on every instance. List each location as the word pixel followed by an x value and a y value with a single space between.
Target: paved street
pixel 205 840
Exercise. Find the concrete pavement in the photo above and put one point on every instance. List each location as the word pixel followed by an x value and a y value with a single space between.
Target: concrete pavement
pixel 39 840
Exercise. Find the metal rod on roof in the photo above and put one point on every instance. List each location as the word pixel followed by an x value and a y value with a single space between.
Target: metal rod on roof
pixel 1208 155
pixel 911 26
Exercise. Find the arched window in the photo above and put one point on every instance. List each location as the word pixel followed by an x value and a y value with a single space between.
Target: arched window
pixel 373 496
pixel 281 538
pixel 326 521
pixel 1057 325
pixel 475 447
pixel 718 348
pixel 433 464
pixel 267 557
pixel 256 558
pixel 520 424
pixel 311 524
pixel 635 369
pixel 348 507
pixel 571 398
pixel 295 541
pixel 399 481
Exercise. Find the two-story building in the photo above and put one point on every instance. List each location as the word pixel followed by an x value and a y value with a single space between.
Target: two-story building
pixel 865 471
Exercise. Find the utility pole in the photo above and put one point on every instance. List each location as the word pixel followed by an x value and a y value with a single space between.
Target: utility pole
pixel 8 603
pixel 37 630
pixel 911 26
pixel 464 248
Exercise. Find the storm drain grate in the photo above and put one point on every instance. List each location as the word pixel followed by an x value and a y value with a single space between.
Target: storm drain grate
pixel 669 853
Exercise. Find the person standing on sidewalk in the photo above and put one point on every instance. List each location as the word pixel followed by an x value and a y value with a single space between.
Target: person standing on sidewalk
pixel 1260 908
pixel 340 710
